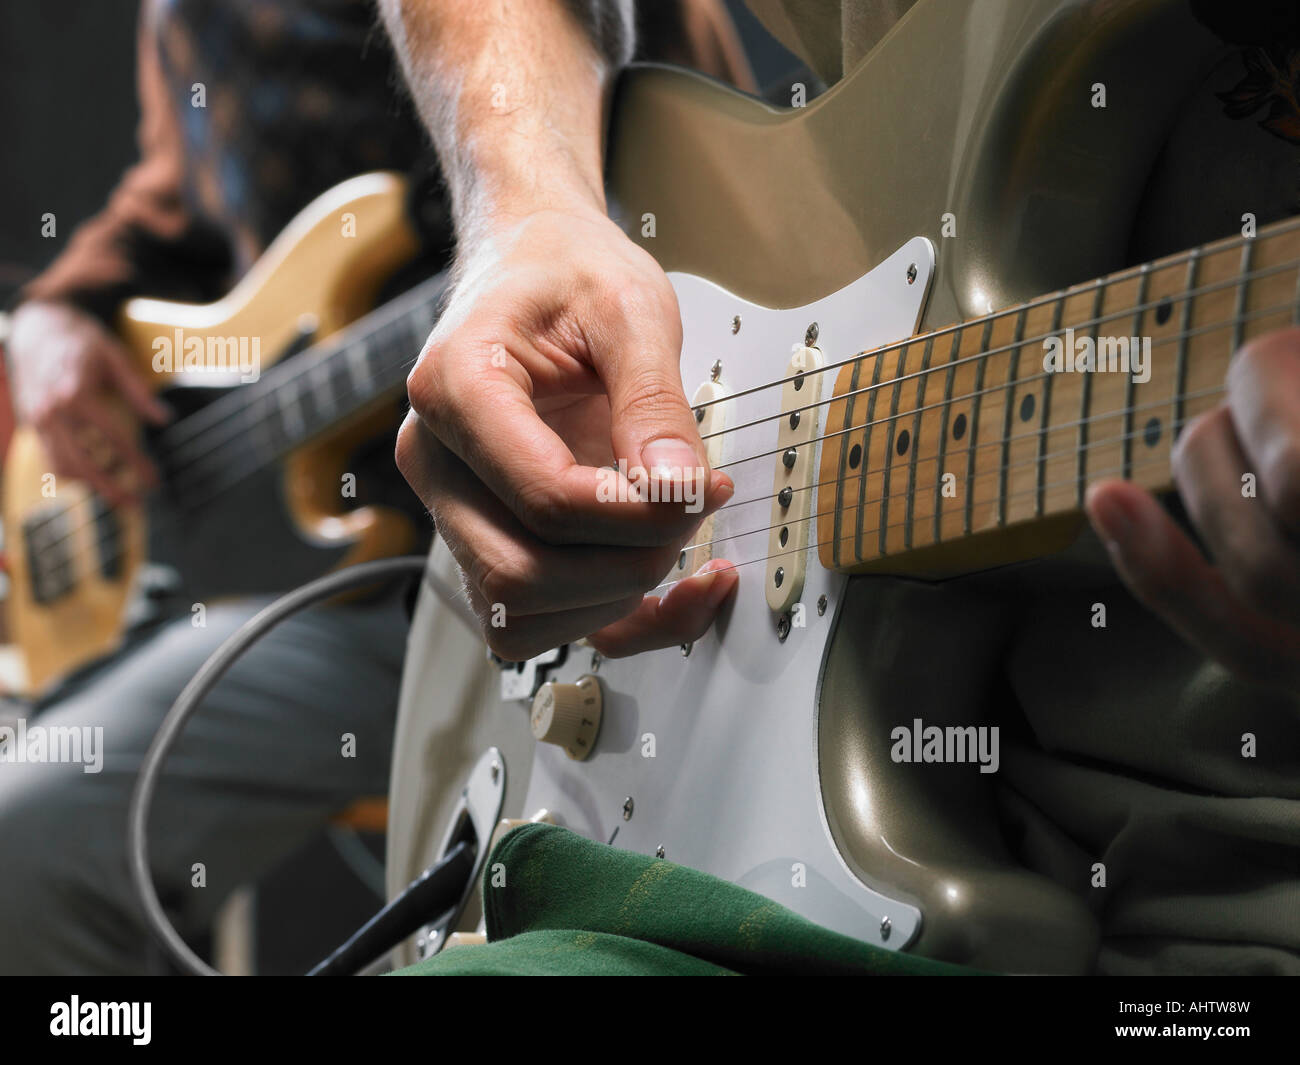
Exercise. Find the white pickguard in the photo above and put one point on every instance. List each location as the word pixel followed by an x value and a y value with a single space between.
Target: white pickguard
pixel 733 787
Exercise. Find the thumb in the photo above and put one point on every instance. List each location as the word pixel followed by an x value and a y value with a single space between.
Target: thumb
pixel 651 424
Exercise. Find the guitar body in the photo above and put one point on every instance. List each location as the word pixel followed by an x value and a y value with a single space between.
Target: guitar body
pixel 267 531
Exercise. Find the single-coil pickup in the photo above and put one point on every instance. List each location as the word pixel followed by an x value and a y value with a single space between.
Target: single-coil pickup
pixel 792 486
pixel 711 420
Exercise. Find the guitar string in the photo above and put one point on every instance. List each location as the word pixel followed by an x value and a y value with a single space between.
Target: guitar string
pixel 107 538
pixel 900 524
pixel 910 491
pixel 1214 327
pixel 1086 288
pixel 1034 434
pixel 1006 387
pixel 922 338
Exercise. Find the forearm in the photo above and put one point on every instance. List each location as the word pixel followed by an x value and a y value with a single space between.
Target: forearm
pixel 514 97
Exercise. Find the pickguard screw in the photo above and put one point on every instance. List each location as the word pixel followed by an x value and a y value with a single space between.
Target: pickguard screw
pixel 911 273
pixel 885 928
pixel 716 370
pixel 496 772
pixel 810 336
pixel 628 807
pixel 735 325
pixel 659 851
pixel 595 661
pixel 686 649
pixel 821 605
pixel 783 627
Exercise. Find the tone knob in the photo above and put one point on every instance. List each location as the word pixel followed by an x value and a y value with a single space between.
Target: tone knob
pixel 568 715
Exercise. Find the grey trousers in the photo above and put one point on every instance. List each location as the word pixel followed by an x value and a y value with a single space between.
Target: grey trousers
pixel 297 729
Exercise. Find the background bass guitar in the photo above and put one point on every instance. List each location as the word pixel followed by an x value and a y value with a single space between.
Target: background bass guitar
pixel 255 496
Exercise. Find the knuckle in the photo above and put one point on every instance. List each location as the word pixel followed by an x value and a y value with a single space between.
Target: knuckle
pixel 650 392
pixel 545 512
pixel 641 298
pixel 424 385
pixel 406 451
pixel 505 581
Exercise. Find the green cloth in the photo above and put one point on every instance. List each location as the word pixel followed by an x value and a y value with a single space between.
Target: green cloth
pixel 569 906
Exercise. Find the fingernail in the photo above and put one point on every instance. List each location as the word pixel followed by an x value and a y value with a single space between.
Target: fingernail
pixel 670 459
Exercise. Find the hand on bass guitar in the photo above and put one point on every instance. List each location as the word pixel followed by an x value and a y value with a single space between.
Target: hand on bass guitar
pixel 66 365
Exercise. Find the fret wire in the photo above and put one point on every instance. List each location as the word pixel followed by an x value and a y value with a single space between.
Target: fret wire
pixel 358 365
pixel 1247 253
pixel 851 402
pixel 1085 395
pixel 916 441
pixel 866 451
pixel 323 376
pixel 1057 312
pixel 943 435
pixel 980 366
pixel 889 445
pixel 1013 359
pixel 1144 281
pixel 1184 324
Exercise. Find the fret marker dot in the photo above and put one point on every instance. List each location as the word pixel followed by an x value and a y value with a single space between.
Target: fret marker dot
pixel 959 427
pixel 1163 310
pixel 855 456
pixel 1027 408
pixel 1151 433
pixel 903 441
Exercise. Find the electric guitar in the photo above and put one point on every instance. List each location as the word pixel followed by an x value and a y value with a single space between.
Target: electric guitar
pixel 914 332
pixel 277 387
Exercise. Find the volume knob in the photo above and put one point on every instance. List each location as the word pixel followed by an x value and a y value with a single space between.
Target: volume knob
pixel 568 715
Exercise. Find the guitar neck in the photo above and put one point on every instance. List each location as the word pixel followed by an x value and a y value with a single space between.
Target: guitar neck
pixel 999 423
pixel 303 397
